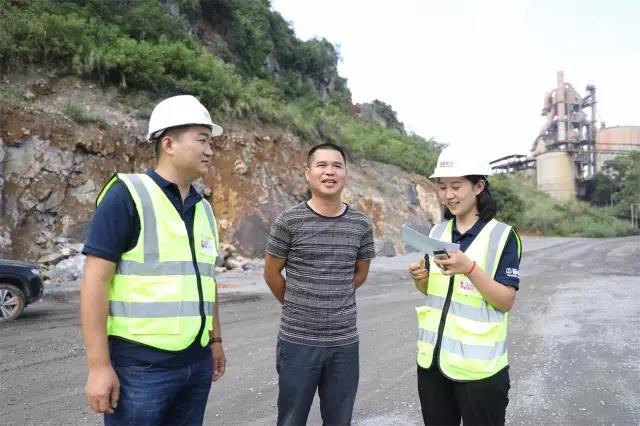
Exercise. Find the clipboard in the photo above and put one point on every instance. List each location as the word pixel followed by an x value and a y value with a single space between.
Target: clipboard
pixel 424 243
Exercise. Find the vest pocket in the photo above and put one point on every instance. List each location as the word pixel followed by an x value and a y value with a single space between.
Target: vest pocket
pixel 476 327
pixel 422 312
pixel 481 351
pixel 154 326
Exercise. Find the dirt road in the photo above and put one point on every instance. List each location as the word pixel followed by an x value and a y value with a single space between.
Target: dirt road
pixel 574 346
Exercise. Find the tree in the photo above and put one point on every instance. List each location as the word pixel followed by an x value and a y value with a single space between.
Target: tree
pixel 619 181
pixel 510 204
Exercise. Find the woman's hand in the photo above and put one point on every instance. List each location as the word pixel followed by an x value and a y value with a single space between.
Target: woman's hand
pixel 417 271
pixel 457 263
pixel 420 276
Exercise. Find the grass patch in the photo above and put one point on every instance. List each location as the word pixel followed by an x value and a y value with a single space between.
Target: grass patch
pixel 81 116
pixel 138 103
pixel 12 97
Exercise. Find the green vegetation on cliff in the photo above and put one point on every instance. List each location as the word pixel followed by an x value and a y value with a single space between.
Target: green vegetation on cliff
pixel 239 57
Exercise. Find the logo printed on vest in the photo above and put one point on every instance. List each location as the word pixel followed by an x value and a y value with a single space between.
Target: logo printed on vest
pixel 207 246
pixel 467 287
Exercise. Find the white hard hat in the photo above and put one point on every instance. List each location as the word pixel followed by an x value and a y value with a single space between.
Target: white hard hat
pixel 180 111
pixel 456 161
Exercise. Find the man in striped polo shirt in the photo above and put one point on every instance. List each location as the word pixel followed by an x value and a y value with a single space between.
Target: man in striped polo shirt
pixel 326 247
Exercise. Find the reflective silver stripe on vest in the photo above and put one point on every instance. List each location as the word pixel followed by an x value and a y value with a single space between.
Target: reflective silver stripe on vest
pixel 427 336
pixel 464 350
pixel 158 309
pixel 438 230
pixel 483 314
pixel 152 265
pixel 488 311
pixel 474 351
pixel 436 302
pixel 494 242
pixel 151 250
pixel 209 210
pixel 128 267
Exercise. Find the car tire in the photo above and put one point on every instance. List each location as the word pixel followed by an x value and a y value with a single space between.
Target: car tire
pixel 12 302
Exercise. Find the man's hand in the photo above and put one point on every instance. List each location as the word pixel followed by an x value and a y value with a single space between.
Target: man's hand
pixel 102 389
pixel 272 274
pixel 219 360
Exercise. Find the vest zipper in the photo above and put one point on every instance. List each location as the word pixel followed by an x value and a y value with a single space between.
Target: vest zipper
pixel 443 319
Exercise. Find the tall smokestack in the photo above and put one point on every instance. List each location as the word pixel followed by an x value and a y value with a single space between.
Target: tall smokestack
pixel 593 114
pixel 561 108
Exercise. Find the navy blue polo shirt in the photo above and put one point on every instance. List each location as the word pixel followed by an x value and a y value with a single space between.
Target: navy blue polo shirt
pixel 508 272
pixel 114 230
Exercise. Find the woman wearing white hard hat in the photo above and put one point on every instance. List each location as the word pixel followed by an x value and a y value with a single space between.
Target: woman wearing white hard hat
pixel 463 370
pixel 149 310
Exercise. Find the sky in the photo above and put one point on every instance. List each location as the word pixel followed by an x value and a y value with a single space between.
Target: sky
pixel 474 72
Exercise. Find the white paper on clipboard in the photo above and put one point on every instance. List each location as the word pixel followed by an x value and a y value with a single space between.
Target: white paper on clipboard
pixel 425 244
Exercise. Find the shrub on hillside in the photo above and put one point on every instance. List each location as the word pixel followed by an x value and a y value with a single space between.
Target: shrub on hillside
pixel 540 213
pixel 81 116
pixel 505 193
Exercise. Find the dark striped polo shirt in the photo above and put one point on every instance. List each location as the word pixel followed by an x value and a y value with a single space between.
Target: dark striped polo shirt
pixel 320 302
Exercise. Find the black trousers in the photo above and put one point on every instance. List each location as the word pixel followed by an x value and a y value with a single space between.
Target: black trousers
pixel 446 402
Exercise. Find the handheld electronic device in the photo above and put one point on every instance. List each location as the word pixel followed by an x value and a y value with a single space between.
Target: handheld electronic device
pixel 440 254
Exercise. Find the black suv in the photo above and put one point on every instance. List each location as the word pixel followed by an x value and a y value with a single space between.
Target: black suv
pixel 20 285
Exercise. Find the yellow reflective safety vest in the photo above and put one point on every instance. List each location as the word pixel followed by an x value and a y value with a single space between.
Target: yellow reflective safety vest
pixel 471 334
pixel 161 293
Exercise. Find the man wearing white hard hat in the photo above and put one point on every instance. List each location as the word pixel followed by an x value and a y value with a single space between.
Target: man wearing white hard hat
pixel 149 310
pixel 463 370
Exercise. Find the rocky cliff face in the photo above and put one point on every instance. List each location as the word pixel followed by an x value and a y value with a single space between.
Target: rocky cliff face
pixel 62 138
pixel 380 113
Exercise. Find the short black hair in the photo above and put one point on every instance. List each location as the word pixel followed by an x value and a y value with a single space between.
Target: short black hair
pixel 487 205
pixel 326 145
pixel 174 132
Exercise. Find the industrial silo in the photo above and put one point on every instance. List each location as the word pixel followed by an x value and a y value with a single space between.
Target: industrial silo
pixel 555 174
pixel 613 141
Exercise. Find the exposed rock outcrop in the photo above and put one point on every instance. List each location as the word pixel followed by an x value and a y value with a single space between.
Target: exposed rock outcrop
pixel 380 113
pixel 52 168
